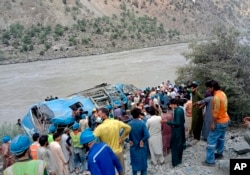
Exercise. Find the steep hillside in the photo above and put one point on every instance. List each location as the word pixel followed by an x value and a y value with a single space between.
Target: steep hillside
pixel 34 30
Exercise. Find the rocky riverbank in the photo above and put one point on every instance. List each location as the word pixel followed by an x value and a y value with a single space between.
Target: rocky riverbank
pixel 195 154
pixel 68 52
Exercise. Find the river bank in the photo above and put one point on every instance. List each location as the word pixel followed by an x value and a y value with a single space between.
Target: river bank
pixel 72 52
pixel 193 155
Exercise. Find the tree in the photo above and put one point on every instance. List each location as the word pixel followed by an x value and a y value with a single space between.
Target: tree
pixel 227 61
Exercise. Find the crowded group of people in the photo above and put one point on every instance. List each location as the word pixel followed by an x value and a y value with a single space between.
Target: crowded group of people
pixel 154 122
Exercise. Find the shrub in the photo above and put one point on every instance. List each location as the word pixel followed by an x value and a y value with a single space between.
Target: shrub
pixel 26 39
pixel 99 31
pixel 5 41
pixel 15 44
pixel 72 41
pixel 124 37
pixel 10 129
pixel 16 30
pixel 59 30
pixel 123 6
pixel 114 36
pixel 85 41
pixel 47 46
pixel 6 35
pixel 31 47
pixel 25 48
pixel 41 52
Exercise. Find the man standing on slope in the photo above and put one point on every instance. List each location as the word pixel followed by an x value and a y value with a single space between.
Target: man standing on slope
pixel 197 118
pixel 109 132
pixel 216 137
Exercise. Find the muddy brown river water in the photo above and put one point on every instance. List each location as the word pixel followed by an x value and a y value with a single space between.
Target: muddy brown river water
pixel 25 84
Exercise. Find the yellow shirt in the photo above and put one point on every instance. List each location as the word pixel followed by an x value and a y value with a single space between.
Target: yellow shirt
pixel 109 132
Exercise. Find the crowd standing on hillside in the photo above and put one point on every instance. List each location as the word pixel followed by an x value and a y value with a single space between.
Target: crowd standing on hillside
pixel 154 122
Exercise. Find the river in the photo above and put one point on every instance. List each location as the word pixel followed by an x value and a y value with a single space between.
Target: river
pixel 27 83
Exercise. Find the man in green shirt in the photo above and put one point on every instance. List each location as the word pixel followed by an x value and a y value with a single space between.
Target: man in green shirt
pixel 197 118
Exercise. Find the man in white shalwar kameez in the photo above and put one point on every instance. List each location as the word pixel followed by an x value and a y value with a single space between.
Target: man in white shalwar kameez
pixel 67 149
pixel 43 153
pixel 155 139
pixel 58 155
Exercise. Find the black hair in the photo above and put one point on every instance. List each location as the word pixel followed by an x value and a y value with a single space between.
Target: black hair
pixel 56 135
pixel 182 101
pixel 104 110
pixel 194 85
pixel 187 96
pixel 43 140
pixel 35 136
pixel 164 109
pixel 136 112
pixel 173 101
pixel 151 110
pixel 213 84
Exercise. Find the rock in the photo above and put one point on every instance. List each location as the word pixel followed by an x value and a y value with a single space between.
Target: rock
pixel 224 165
pixel 242 147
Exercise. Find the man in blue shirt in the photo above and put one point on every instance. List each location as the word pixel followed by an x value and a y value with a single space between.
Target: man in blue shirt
pixel 101 158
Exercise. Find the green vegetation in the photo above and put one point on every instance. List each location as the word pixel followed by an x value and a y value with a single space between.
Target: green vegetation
pixel 114 30
pixel 72 41
pixel 227 61
pixel 10 129
pixel 59 30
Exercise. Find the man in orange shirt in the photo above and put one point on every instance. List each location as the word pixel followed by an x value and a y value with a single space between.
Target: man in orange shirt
pixel 216 137
pixel 34 146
